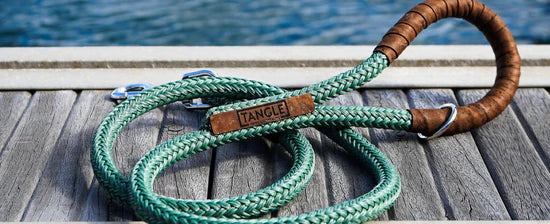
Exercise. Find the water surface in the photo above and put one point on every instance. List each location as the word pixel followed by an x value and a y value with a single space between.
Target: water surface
pixel 240 22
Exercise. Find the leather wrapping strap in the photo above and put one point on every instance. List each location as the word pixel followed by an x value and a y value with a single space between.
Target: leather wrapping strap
pixel 427 121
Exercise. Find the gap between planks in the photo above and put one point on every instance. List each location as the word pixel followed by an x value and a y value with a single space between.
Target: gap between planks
pixel 26 153
pixel 513 162
pixel 373 222
pixel 155 138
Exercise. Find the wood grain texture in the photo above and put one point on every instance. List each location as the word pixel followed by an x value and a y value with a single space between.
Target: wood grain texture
pixel 532 107
pixel 463 180
pixel 370 222
pixel 347 178
pixel 64 185
pixel 26 154
pixel 241 168
pixel 13 104
pixel 314 195
pixel 419 198
pixel 95 208
pixel 518 171
pixel 187 179
pixel 136 139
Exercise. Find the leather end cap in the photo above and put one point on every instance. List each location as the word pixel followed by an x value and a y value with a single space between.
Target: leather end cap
pixel 428 121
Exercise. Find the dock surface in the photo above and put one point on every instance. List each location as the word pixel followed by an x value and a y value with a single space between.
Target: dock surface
pixel 51 106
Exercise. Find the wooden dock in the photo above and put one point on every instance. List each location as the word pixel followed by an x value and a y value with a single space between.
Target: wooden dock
pixel 52 100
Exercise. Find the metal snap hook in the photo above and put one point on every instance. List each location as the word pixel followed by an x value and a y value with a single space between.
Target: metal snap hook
pixel 197 104
pixel 128 91
pixel 199 73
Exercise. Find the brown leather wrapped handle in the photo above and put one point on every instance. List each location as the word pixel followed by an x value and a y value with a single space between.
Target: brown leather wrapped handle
pixel 428 121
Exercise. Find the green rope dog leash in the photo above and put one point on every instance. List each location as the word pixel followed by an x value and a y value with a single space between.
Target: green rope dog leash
pixel 265 200
pixel 334 121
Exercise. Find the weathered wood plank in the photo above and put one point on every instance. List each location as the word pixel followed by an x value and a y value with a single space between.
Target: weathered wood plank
pixel 532 106
pixel 187 179
pixel 373 222
pixel 314 195
pixel 346 176
pixel 63 188
pixel 419 198
pixel 26 154
pixel 518 171
pixel 136 139
pixel 460 173
pixel 133 142
pixel 96 203
pixel 241 168
pixel 13 104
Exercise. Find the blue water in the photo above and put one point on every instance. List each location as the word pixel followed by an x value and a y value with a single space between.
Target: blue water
pixel 244 22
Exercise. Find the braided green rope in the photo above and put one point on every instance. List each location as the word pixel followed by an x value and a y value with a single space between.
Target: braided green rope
pixel 334 121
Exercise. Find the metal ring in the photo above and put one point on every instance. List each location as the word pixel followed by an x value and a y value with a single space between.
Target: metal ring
pixel 199 73
pixel 445 126
pixel 197 104
pixel 128 91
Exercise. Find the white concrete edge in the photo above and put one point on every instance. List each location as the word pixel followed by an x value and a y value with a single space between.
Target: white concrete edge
pixel 393 77
pixel 254 53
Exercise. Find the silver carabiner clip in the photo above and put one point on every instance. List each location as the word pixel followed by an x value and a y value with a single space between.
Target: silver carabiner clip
pixel 128 91
pixel 197 104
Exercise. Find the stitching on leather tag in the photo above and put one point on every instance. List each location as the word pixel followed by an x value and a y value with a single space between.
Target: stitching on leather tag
pixel 262 114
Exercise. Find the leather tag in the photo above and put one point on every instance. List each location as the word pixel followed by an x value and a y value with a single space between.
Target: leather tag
pixel 262 114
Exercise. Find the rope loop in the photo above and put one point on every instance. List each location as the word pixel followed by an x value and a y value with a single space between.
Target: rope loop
pixel 137 192
pixel 234 95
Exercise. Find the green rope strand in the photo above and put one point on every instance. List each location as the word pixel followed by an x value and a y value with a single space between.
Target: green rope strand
pixel 333 120
pixel 327 89
pixel 153 209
